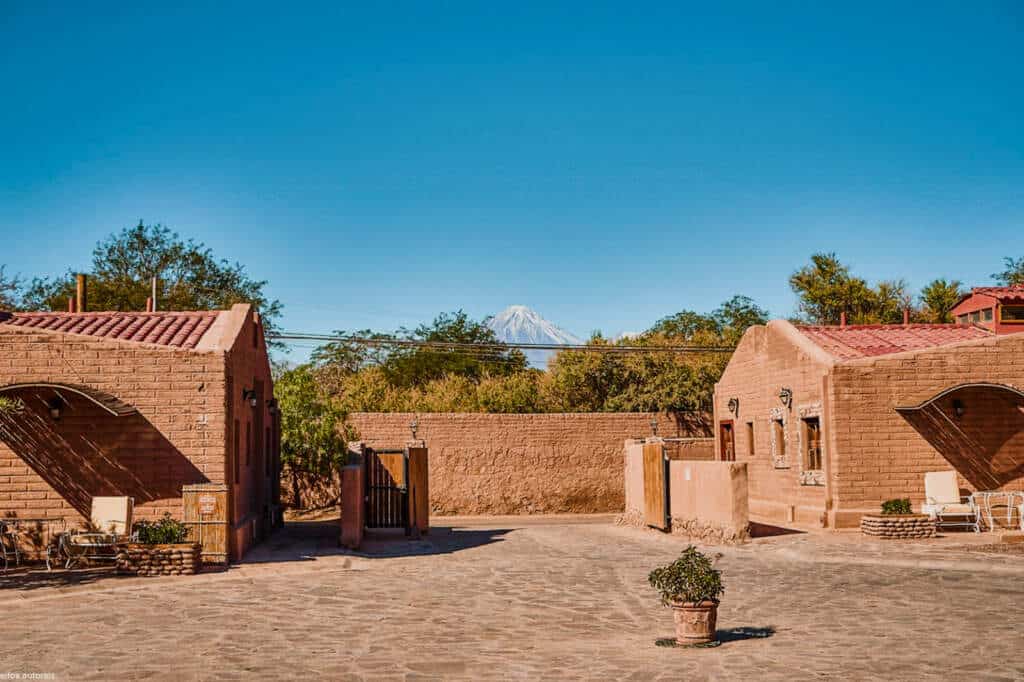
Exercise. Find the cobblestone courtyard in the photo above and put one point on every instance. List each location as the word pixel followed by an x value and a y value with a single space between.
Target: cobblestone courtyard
pixel 528 599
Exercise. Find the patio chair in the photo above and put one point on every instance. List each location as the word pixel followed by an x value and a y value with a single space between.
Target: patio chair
pixel 944 503
pixel 111 518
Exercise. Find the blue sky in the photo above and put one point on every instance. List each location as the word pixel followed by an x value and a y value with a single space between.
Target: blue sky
pixel 606 164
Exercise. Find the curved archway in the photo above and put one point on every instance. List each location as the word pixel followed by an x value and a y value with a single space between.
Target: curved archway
pixel 978 428
pixel 114 406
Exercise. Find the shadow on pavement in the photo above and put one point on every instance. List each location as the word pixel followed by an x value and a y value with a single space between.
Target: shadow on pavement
pixel 35 577
pixel 739 634
pixel 764 530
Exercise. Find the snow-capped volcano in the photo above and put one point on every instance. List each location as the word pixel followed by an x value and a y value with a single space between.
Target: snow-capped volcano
pixel 519 324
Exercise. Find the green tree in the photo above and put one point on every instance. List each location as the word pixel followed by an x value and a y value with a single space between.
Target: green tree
pixel 313 443
pixel 826 289
pixel 416 366
pixel 189 277
pixel 938 297
pixel 10 291
pixel 1013 273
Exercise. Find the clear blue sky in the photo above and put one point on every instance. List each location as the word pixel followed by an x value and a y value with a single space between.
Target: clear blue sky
pixel 604 164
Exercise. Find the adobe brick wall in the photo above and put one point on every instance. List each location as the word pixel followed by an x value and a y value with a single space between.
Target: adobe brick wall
pixel 766 360
pixel 177 437
pixel 883 455
pixel 521 463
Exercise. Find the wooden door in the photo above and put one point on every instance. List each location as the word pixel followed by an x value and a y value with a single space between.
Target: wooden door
pixel 727 441
pixel 655 486
pixel 418 492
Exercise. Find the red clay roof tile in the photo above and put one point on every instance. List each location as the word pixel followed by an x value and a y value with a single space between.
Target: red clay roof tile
pixel 870 340
pixel 174 329
pixel 1011 293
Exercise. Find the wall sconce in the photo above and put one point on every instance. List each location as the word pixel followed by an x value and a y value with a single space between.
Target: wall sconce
pixel 654 426
pixel 250 396
pixel 958 408
pixel 55 405
pixel 734 406
pixel 413 425
pixel 786 396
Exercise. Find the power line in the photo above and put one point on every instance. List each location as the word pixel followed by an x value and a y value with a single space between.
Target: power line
pixel 495 347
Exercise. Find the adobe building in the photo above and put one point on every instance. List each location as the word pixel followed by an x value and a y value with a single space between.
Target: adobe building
pixel 834 420
pixel 1000 309
pixel 139 404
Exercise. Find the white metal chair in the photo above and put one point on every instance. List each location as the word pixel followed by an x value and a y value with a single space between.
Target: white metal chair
pixel 944 503
pixel 111 518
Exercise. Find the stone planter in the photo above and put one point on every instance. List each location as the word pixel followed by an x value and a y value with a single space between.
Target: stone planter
pixel 695 622
pixel 180 559
pixel 898 526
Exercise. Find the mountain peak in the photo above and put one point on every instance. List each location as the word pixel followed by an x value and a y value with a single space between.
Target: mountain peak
pixel 521 324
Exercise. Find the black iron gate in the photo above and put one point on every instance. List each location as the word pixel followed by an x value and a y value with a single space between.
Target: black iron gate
pixel 387 488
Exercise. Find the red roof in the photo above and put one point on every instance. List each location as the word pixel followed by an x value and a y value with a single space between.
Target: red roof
pixel 176 329
pixel 870 340
pixel 1015 292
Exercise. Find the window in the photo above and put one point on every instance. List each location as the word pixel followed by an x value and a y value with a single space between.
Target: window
pixel 975 316
pixel 779 438
pixel 238 476
pixel 248 443
pixel 1012 314
pixel 812 444
pixel 728 442
pixel 750 439
pixel 961 319
pixel 986 314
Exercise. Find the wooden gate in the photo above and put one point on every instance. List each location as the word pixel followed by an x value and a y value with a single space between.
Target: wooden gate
pixel 397 493
pixel 656 502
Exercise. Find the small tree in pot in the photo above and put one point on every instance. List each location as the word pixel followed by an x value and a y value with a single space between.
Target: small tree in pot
pixel 691 586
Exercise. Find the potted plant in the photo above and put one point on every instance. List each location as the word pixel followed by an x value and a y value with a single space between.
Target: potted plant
pixel 160 548
pixel 691 586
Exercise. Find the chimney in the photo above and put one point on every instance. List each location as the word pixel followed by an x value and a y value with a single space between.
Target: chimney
pixel 149 304
pixel 71 304
pixel 82 293
pixel 842 319
pixel 906 317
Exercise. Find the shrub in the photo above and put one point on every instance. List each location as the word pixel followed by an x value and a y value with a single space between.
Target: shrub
pixel 897 506
pixel 11 405
pixel 690 578
pixel 166 531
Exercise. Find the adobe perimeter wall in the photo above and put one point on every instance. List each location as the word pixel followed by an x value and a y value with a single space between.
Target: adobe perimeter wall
pixel 523 463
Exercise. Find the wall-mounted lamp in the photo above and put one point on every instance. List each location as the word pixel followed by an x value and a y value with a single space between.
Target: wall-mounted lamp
pixel 55 405
pixel 654 426
pixel 786 396
pixel 958 408
pixel 734 406
pixel 413 425
pixel 250 396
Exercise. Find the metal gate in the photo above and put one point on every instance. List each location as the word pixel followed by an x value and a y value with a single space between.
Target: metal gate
pixel 397 492
pixel 387 490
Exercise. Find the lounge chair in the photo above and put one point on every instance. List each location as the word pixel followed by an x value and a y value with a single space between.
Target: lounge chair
pixel 111 523
pixel 944 503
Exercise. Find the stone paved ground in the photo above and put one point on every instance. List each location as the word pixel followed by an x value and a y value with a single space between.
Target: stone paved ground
pixel 534 599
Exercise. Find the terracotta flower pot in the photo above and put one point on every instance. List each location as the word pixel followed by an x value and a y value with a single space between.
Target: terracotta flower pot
pixel 695 621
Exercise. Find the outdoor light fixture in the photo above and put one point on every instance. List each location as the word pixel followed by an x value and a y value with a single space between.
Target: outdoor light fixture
pixel 958 408
pixel 55 405
pixel 654 426
pixel 786 396
pixel 413 425
pixel 734 406
pixel 250 395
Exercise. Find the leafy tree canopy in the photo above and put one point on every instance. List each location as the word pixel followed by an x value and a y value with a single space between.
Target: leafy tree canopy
pixel 826 289
pixel 10 291
pixel 1013 272
pixel 189 277
pixel 937 298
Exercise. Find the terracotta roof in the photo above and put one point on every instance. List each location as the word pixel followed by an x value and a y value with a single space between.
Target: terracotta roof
pixel 1015 292
pixel 870 340
pixel 175 329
